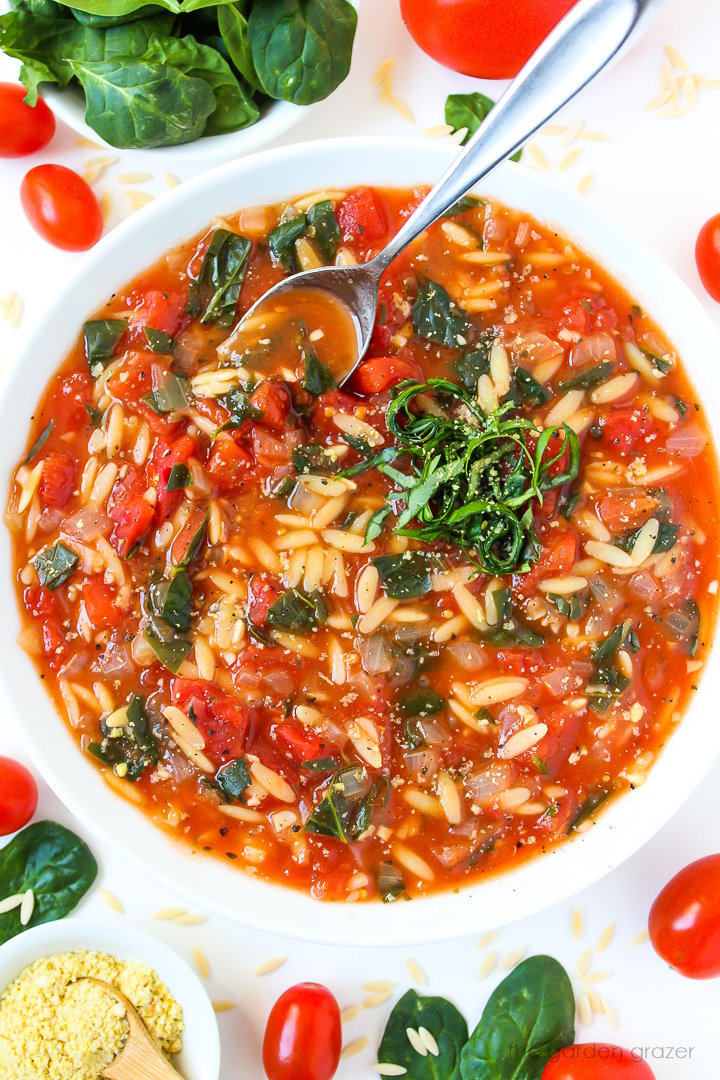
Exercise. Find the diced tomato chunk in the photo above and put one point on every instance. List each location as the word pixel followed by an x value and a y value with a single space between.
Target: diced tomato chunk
pixel 362 215
pixel 382 372
pixel 56 479
pixel 130 512
pixel 274 401
pixel 163 460
pixel 624 510
pixel 101 603
pixel 261 596
pixel 161 310
pixel 44 606
pixel 222 721
pixel 301 745
pixel 228 464
pixel 69 412
pixel 558 554
pixel 623 429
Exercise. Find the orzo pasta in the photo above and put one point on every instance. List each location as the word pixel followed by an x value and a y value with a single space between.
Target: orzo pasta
pixel 386 638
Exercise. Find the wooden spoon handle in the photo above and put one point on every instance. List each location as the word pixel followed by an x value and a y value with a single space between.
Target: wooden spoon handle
pixel 140 1058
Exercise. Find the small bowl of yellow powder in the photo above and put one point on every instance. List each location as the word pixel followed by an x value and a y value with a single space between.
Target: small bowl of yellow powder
pixel 56 1025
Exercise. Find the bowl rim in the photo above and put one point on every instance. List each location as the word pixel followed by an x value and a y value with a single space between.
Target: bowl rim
pixel 622 828
pixel 200 1057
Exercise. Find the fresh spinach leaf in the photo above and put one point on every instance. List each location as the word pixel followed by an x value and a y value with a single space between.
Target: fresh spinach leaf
pixel 159 341
pixel 55 565
pixel 132 103
pixel 130 749
pixel 438 318
pixel 282 241
pixel 233 27
pixel 469 111
pixel 445 1024
pixel 233 110
pixel 301 49
pixel 528 1017
pixel 101 338
pixel 214 296
pixel 324 229
pixel 39 442
pixel 52 861
pixel 233 779
pixel 318 376
pixel 404 576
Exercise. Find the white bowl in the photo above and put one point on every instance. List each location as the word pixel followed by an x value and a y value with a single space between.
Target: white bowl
pixel 200 1055
pixel 209 882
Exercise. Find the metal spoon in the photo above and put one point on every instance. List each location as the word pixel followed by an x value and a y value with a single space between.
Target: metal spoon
pixel 139 1056
pixel 580 46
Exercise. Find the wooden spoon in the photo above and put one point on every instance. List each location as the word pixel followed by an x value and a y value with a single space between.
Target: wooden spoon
pixel 139 1058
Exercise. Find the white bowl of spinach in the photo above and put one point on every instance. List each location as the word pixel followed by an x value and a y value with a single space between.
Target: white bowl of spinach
pixel 211 78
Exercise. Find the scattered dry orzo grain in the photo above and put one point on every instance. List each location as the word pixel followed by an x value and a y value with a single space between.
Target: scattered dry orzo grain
pixel 267 966
pixel 415 972
pixel 355 1047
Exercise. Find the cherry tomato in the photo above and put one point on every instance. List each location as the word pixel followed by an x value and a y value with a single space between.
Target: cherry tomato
pixel 61 207
pixel 684 921
pixel 18 796
pixel 490 39
pixel 707 256
pixel 23 128
pixel 596 1061
pixel 303 1037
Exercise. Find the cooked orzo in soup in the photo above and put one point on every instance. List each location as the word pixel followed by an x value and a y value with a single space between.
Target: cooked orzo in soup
pixel 379 640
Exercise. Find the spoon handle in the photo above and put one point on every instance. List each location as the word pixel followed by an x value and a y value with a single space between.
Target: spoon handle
pixel 577 49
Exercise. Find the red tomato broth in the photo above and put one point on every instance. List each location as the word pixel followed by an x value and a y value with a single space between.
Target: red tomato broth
pixel 453 807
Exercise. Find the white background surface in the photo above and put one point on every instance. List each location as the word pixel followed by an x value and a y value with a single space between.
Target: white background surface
pixel 659 176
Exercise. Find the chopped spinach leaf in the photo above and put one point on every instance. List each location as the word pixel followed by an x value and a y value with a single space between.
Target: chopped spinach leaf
pixel 684 624
pixel 475 363
pixel 282 241
pixel 617 637
pixel 405 576
pixel 215 294
pixel 375 523
pixel 320 764
pixel 313 458
pixel 101 338
pixel 297 612
pixel 465 202
pixel 588 807
pixel 502 599
pixel 337 812
pixel 530 391
pixel 666 538
pixel 39 442
pixel 438 318
pixel 172 600
pixel 607 685
pixel 324 229
pixel 239 402
pixel 382 457
pixel 171 392
pixel 129 749
pixel 170 648
pixel 55 565
pixel 569 504
pixel 423 702
pixel 233 779
pixel 180 477
pixel 660 362
pixel 159 341
pixel 390 882
pixel 567 605
pixel 318 377
pixel 592 377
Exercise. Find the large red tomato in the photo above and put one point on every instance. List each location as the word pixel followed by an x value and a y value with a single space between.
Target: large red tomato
pixel 490 39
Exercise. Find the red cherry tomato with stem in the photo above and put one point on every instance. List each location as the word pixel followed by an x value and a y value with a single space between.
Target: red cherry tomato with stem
pixel 61 207
pixel 303 1037
pixel 18 796
pixel 23 128
pixel 684 921
pixel 490 39
pixel 596 1061
pixel 707 256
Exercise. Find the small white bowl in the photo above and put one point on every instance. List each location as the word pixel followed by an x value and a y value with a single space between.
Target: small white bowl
pixel 219 885
pixel 200 1055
